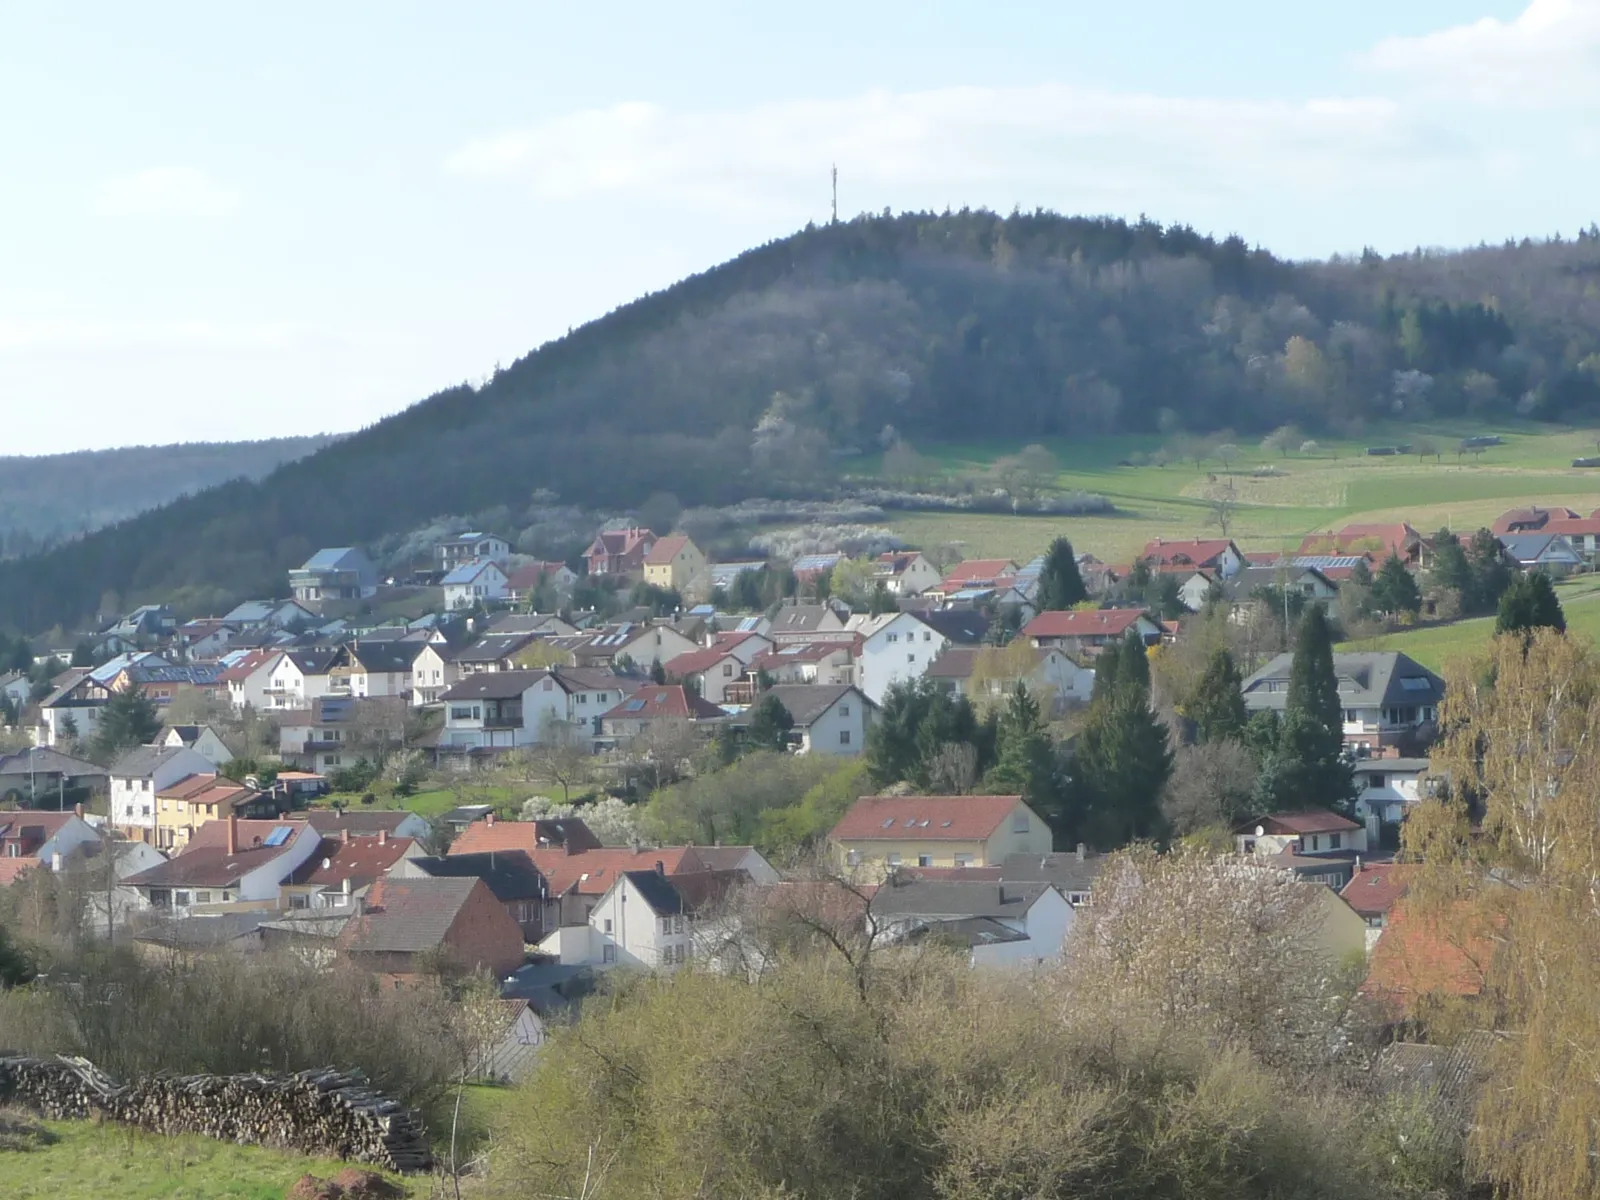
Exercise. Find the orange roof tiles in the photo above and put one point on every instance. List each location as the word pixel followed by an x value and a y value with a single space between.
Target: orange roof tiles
pixel 1103 622
pixel 924 818
pixel 1375 888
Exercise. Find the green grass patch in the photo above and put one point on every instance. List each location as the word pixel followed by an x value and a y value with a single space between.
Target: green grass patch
pixel 431 803
pixel 90 1161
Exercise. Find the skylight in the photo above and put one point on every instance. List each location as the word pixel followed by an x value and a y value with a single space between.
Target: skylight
pixel 634 706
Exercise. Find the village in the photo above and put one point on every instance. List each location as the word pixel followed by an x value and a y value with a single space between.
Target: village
pixel 246 822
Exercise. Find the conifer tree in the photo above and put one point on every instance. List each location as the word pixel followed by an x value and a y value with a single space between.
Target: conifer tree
pixel 1025 757
pixel 129 719
pixel 1395 590
pixel 1217 705
pixel 1528 604
pixel 1308 767
pixel 1060 583
pixel 1123 759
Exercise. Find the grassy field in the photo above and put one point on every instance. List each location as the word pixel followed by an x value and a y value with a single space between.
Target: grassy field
pixel 429 803
pixel 1434 646
pixel 1337 485
pixel 90 1162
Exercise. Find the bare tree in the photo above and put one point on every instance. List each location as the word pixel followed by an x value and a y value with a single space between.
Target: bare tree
pixel 953 769
pixel 1224 504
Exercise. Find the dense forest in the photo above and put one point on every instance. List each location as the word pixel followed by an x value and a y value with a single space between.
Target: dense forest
pixel 51 498
pixel 758 377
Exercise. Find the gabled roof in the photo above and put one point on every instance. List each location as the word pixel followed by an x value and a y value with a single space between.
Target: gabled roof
pixel 1066 871
pixel 696 661
pixel 802 618
pixel 205 861
pixel 493 685
pixel 243 668
pixel 807 702
pixel 337 558
pixel 510 874
pixel 386 657
pixel 210 788
pixel 1376 888
pixel 925 818
pixel 1194 552
pixel 593 872
pixel 408 916
pixel 361 860
pixel 1573 527
pixel 494 647
pixel 569 834
pixel 1429 953
pixel 43 760
pixel 365 822
pixel 666 549
pixel 1539 547
pixel 978 570
pixel 1366 679
pixel 955 899
pixel 141 762
pixel 469 571
pixel 1531 518
pixel 815 564
pixel 312 660
pixel 1395 537
pixel 1313 820
pixel 964 627
pixel 895 562
pixel 655 702
pixel 1102 622
pixel 531 575
pixel 618 541
pixel 696 891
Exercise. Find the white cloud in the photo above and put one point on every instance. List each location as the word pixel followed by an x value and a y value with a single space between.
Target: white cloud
pixel 1547 56
pixel 1086 149
pixel 166 192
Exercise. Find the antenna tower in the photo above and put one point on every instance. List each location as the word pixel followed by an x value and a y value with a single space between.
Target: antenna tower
pixel 835 193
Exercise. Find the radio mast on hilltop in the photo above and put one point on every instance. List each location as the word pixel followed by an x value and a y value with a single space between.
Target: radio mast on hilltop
pixel 835 194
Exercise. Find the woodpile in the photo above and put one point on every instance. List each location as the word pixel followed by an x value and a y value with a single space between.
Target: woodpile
pixel 327 1113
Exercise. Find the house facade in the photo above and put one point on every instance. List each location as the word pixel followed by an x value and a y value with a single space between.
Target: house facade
pixel 828 719
pixel 137 777
pixel 1389 699
pixel 340 573
pixel 478 581
pixel 1053 678
pixel 501 710
pixel 905 572
pixel 1215 554
pixel 673 561
pixel 433 672
pixel 467 547
pixel 1083 633
pixel 228 862
pixel 1314 831
pixel 619 552
pixel 998 924
pixel 883 833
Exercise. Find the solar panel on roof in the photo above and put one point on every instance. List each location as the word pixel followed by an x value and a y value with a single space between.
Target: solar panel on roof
pixel 278 836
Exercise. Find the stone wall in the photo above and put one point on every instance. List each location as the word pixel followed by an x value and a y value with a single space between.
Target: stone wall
pixel 327 1113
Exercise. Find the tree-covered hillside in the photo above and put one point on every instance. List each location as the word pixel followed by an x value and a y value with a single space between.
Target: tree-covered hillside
pixel 49 498
pixel 755 377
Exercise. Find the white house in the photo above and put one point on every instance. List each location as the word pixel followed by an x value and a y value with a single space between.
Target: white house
pixel 334 573
pixel 1386 789
pixel 138 775
pixel 1054 678
pixel 433 671
pixel 1387 696
pixel 897 647
pixel 16 688
pixel 495 710
pixel 298 677
pixel 998 924
pixel 381 668
pixel 828 719
pixel 247 678
pixel 904 572
pixel 466 547
pixel 72 710
pixel 479 581
pixel 228 862
pixel 1315 831
pixel 45 838
pixel 1218 554
pixel 202 739
pixel 646 919
pixel 713 672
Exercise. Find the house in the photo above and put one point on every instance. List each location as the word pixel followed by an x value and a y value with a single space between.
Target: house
pixel 202 739
pixel 619 552
pixel 478 581
pixel 577 878
pixel 672 562
pixel 1053 679
pixel 494 652
pixel 42 773
pixel 1216 554
pixel 799 662
pixel 738 858
pixel 647 919
pixel 205 639
pixel 1423 954
pixel 407 926
pixel 1375 541
pixel 996 924
pixel 340 573
pixel 807 623
pixel 541 624
pixel 228 862
pixel 16 689
pixel 297 677
pixel 1083 632
pixel 270 614
pixel 469 547
pixel 1389 699
pixel 881 833
pixel 643 644
pixel 393 823
pixel 146 623
pixel 1374 890
pixel 725 575
pixel 1530 520
pixel 513 1051
pixel 899 647
pixel 333 731
pixel 72 711
pixel 141 773
pixel 828 719
pixel 495 710
pixel 487 834
pixel 1246 589
pixel 510 874
pixel 163 683
pixel 710 672
pixel 1547 552
pixel 1196 584
pixel 1073 873
pixel 375 668
pixel 1582 534
pixel 433 671
pixel 655 703
pixel 183 807
pixel 46 840
pixel 1386 789
pixel 905 572
pixel 343 868
pixel 245 679
pixel 977 573
pixel 523 581
pixel 1314 831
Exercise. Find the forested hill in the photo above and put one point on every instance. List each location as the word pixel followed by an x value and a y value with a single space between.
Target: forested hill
pixel 753 377
pixel 49 498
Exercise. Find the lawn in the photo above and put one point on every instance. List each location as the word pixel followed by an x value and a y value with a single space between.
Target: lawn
pixel 432 803
pixel 91 1161
pixel 1435 645
pixel 1341 483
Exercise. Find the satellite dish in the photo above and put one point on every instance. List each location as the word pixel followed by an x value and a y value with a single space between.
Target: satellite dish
pixel 326 863
pixel 1260 830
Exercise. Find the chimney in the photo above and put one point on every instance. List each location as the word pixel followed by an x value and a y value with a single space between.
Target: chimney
pixel 78 809
pixel 344 836
pixel 1083 851
pixel 383 837
pixel 346 888
pixel 1002 892
pixel 661 867
pixel 489 819
pixel 233 834
pixel 55 862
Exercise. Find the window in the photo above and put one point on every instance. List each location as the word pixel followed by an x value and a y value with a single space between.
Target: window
pixel 963 860
pixel 180 898
pixel 927 636
pixel 844 710
pixel 924 860
pixel 607 928
pixel 583 697
pixel 1374 781
pixel 1019 823
pixel 1077 899
pixel 1333 840
pixel 202 897
pixel 852 858
pixel 608 954
pixel 892 637
pixel 894 860
pixel 145 811
pixel 911 658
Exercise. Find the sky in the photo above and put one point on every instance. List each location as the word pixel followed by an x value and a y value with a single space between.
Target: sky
pixel 230 221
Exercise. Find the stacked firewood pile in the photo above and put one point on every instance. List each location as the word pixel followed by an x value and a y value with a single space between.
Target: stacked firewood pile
pixel 327 1113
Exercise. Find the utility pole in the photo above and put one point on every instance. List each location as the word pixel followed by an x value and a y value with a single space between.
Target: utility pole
pixel 835 194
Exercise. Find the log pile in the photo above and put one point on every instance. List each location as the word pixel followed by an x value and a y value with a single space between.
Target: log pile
pixel 327 1113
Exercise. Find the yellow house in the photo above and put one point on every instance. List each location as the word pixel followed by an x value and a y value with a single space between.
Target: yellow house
pixel 673 562
pixel 880 833
pixel 197 799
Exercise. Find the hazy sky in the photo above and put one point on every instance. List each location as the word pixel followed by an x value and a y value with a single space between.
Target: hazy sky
pixel 219 223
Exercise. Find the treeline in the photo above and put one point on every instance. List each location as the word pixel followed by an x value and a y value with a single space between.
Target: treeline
pixel 756 377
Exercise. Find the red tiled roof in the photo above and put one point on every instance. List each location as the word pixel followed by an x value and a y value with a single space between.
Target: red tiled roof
pixel 1394 537
pixel 619 541
pixel 980 570
pixel 10 868
pixel 246 666
pixel 1427 954
pixel 1195 552
pixel 1263 558
pixel 592 872
pixel 1316 820
pixel 213 835
pixel 663 701
pixel 208 789
pixel 533 574
pixel 696 661
pixel 1538 518
pixel 361 860
pixel 1185 569
pixel 924 818
pixel 1109 622
pixel 665 550
pixel 1573 526
pixel 1375 888
pixel 564 835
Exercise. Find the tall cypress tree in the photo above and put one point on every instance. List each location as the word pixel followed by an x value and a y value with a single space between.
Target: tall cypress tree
pixel 1217 705
pixel 1123 760
pixel 1313 686
pixel 1309 766
pixel 1025 757
pixel 1106 666
pixel 1528 604
pixel 1060 583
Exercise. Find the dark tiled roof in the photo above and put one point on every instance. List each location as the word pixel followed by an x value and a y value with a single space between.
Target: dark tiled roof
pixel 510 874
pixel 408 916
pixel 806 702
pixel 143 761
pixel 1066 871
pixel 657 891
pixel 961 626
pixel 365 822
pixel 493 685
pixel 386 657
pixel 955 899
